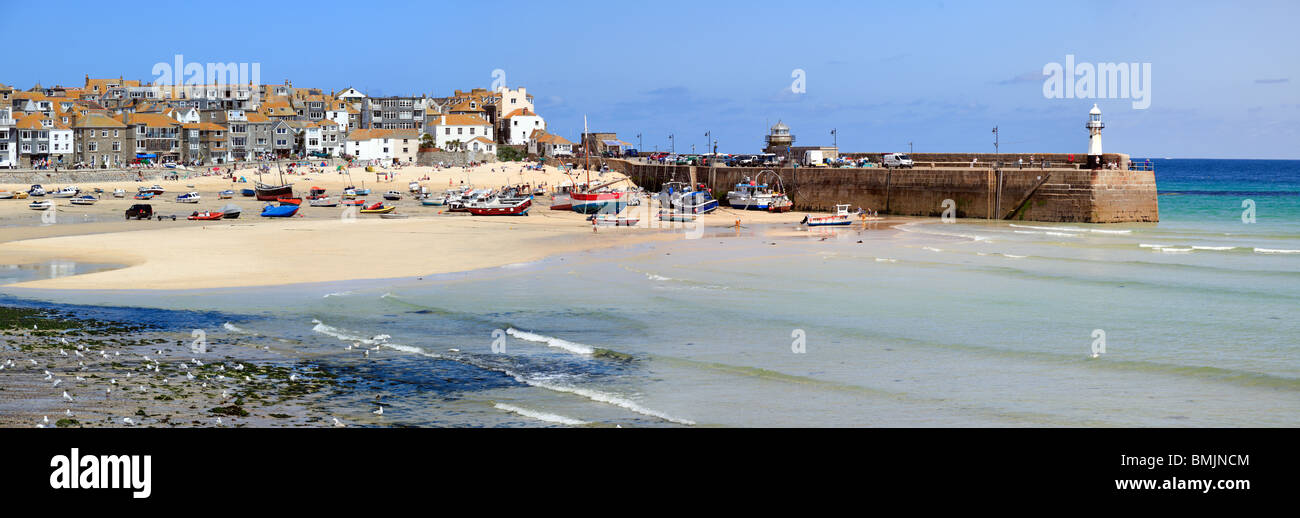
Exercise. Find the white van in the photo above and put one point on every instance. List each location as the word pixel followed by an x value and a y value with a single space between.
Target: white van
pixel 896 160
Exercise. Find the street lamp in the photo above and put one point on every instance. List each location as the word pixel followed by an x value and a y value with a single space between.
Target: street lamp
pixel 708 135
pixel 835 139
pixel 672 144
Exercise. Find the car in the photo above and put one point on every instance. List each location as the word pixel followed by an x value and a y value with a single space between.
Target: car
pixel 140 211
pixel 896 160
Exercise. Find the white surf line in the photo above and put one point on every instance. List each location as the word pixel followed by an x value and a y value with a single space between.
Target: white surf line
pixel 1146 245
pixel 236 329
pixel 593 395
pixel 1275 251
pixel 1075 229
pixel 558 343
pixel 1174 250
pixel 540 416
pixel 1214 248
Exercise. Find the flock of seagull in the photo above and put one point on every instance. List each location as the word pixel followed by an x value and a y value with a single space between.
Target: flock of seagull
pixel 150 364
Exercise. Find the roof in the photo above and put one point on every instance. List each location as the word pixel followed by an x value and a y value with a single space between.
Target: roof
pixel 205 126
pixel 554 140
pixel 520 111
pixel 155 120
pixel 481 139
pixel 457 119
pixel 374 133
pixel 95 120
pixel 256 117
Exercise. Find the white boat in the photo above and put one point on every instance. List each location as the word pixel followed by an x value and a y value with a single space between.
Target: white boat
pixel 6 195
pixel 40 205
pixel 156 189
pixel 83 200
pixel 323 201
pixel 36 190
pixel 392 195
pixel 66 192
pixel 840 218
pixel 414 186
pixel 189 197
pixel 119 193
pixel 751 195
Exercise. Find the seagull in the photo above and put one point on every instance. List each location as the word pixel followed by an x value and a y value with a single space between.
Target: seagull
pixel 66 396
pixel 224 395
pixel 379 412
pixel 113 381
pixel 63 352
pixel 79 378
pixel 142 389
pixel 68 412
pixel 48 376
pixel 246 378
pixel 159 352
pixel 127 420
pixel 366 353
pixel 33 361
pixel 45 419
pixel 146 358
pixel 338 424
pixel 79 355
pixel 56 383
pixel 239 367
pixel 218 421
pixel 63 340
pixel 189 376
pixel 293 377
pixel 349 347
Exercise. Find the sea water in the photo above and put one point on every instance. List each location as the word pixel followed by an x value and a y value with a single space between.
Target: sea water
pixel 1188 322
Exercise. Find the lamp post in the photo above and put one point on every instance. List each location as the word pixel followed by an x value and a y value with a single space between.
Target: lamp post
pixel 909 147
pixel 708 135
pixel 835 139
pixel 672 144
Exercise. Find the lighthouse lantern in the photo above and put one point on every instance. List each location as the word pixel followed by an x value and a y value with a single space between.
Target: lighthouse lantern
pixel 1094 137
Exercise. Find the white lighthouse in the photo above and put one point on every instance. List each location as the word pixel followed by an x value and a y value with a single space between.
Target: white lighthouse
pixel 1094 137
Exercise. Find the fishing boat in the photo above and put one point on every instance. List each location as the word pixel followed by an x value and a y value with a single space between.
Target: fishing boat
pixel 753 195
pixel 231 211
pixel 362 192
pixel 613 220
pixel 66 192
pixel 36 190
pixel 378 208
pixel 83 200
pixel 119 193
pixel 499 206
pixel 681 197
pixel 349 193
pixel 267 192
pixel 459 204
pixel 40 205
pixel 392 195
pixel 207 215
pixel 315 193
pixel 323 201
pixel 189 197
pixel 143 196
pixel 6 195
pixel 289 201
pixel 247 193
pixel 283 211
pixel 840 218
pixel 414 186
pixel 155 189
pixel 361 203
pixel 226 194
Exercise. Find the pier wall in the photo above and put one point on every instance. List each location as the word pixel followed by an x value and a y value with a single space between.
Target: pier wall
pixel 1030 194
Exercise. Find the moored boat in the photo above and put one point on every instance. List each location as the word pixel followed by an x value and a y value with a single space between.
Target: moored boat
pixel 247 193
pixel 392 195
pixel 682 197
pixel 36 190
pixel 207 215
pixel 40 205
pixel 231 211
pixel 189 197
pixel 283 211
pixel 323 201
pixel 66 192
pixel 290 201
pixel 119 193
pixel 6 195
pixel 500 207
pixel 840 218
pixel 378 208
pixel 84 200
pixel 155 189
pixel 614 220
pixel 668 215
pixel 273 192
pixel 225 195
pixel 144 195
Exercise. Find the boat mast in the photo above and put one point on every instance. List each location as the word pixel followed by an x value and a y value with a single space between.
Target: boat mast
pixel 586 153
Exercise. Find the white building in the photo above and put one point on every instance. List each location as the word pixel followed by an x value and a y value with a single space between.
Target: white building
pixel 385 145
pixel 521 123
pixel 454 132
pixel 8 147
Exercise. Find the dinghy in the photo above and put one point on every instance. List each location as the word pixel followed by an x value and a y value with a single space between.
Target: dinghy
pixel 378 208
pixel 231 211
pixel 40 205
pixel 206 216
pixel 323 201
pixel 225 195
pixel 841 218
pixel 283 211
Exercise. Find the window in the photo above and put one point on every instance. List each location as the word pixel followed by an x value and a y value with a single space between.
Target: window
pixel 114 133
pixel 117 146
pixel 102 133
pixel 460 131
pixel 448 131
pixel 92 146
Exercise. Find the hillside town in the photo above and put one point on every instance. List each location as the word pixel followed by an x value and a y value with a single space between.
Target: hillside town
pixel 117 123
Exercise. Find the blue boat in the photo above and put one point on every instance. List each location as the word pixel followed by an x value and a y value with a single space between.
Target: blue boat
pixel 680 197
pixel 283 211
pixel 248 193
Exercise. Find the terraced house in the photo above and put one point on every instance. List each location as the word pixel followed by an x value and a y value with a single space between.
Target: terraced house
pixel 43 141
pixel 100 141
pixel 153 136
pixel 8 144
pixel 205 143
pixel 393 113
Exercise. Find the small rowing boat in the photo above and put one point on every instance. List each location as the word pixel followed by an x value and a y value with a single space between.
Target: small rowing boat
pixel 225 195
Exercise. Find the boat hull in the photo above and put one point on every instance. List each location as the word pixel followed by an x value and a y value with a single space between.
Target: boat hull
pixel 273 192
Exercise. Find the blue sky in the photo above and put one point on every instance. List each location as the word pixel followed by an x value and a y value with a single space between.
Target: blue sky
pixel 940 74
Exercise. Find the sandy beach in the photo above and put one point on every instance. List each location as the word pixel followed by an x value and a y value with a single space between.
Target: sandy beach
pixel 320 244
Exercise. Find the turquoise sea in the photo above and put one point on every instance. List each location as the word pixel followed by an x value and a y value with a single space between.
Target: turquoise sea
pixel 972 323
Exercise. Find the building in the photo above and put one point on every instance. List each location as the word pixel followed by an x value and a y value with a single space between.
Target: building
pixel 393 113
pixel 778 140
pixel 153 136
pixel 43 141
pixel 205 143
pixel 603 143
pixel 453 132
pixel 8 139
pixel 100 141
pixel 545 144
pixel 383 145
pixel 331 137
pixel 519 124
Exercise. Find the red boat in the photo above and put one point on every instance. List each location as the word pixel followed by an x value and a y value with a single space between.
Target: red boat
pixel 354 202
pixel 206 215
pixel 493 208
pixel 290 201
pixel 316 193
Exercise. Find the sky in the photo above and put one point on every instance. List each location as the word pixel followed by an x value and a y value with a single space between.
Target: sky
pixel 937 76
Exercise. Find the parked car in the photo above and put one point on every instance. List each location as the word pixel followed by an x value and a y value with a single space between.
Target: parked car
pixel 140 211
pixel 896 160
